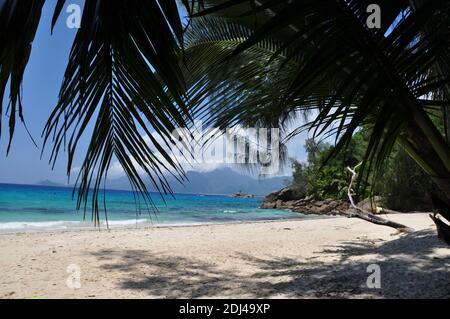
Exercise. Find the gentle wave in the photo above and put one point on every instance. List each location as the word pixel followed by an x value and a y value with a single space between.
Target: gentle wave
pixel 127 222
pixel 18 226
pixel 37 225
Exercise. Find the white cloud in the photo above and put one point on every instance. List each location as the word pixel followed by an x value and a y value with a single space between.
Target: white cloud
pixel 212 154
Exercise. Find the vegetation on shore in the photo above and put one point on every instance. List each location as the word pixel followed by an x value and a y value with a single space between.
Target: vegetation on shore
pixel 402 184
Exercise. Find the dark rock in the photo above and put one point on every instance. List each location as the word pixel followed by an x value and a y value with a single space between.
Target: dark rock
pixel 299 202
pixel 285 199
pixel 271 197
pixel 333 204
pixel 268 205
pixel 286 194
pixel 279 204
pixel 289 204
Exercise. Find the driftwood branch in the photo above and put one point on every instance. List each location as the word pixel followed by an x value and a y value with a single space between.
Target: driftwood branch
pixel 358 212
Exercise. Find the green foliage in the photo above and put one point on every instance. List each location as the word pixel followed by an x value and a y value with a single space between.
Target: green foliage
pixel 402 184
pixel 322 176
pixel 323 60
pixel 300 178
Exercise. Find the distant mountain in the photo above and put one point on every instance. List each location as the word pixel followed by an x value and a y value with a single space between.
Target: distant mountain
pixel 219 181
pixel 48 182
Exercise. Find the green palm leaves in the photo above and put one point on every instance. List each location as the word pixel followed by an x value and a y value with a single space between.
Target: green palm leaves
pixel 352 75
pixel 123 79
pixel 122 75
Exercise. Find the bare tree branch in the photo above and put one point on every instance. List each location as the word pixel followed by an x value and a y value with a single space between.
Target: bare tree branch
pixel 358 212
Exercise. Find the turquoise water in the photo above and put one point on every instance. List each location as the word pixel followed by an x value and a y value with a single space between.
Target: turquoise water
pixel 25 207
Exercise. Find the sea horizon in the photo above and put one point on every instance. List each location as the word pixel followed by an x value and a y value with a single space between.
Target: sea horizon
pixel 39 207
pixel 128 190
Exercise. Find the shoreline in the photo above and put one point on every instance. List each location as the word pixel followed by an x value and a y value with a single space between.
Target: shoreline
pixel 145 224
pixel 306 258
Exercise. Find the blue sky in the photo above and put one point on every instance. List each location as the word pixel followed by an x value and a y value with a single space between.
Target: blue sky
pixel 41 85
pixel 40 91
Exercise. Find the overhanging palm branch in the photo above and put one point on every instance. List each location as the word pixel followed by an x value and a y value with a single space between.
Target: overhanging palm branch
pixel 123 79
pixel 380 78
pixel 18 24
pixel 218 85
pixel 233 86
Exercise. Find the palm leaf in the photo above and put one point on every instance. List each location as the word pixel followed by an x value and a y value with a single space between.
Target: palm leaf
pixel 352 75
pixel 18 24
pixel 122 78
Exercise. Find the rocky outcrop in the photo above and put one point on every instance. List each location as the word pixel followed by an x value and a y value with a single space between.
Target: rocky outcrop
pixel 367 210
pixel 286 199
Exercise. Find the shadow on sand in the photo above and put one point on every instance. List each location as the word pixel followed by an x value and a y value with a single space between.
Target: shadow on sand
pixel 410 268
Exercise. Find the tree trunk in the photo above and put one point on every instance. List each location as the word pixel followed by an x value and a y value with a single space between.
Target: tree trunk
pixel 420 149
pixel 417 145
pixel 359 213
pixel 443 184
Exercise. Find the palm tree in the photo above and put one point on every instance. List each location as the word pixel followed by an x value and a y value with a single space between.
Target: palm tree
pixel 246 62
pixel 270 60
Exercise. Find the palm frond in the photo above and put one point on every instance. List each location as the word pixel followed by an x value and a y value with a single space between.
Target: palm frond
pixel 352 75
pixel 123 78
pixel 219 85
pixel 18 24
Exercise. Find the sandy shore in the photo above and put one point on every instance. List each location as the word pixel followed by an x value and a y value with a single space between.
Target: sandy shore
pixel 309 258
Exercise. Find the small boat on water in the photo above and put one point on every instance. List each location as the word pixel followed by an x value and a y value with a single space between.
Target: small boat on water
pixel 242 195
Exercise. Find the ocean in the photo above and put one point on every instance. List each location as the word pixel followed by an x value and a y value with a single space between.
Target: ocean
pixel 28 207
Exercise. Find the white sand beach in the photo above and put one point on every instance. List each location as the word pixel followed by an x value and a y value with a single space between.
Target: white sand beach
pixel 324 258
